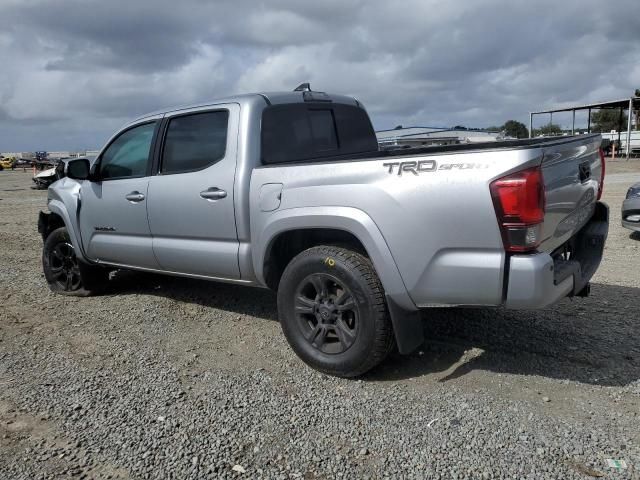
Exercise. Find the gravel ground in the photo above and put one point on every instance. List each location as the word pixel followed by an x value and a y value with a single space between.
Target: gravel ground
pixel 174 378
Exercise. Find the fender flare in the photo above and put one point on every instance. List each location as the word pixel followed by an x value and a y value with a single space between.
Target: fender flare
pixel 57 207
pixel 405 316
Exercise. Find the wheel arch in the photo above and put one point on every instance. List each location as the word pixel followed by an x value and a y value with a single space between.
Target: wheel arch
pixel 340 225
pixel 59 217
pixel 289 243
pixel 337 225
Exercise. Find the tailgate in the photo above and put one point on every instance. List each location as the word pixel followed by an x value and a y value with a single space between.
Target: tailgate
pixel 571 170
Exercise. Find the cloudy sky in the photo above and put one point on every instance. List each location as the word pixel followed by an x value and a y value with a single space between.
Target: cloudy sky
pixel 72 71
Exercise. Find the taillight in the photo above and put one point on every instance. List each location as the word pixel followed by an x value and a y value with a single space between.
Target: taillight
pixel 602 167
pixel 519 201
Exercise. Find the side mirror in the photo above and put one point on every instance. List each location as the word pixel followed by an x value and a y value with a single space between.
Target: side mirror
pixel 79 169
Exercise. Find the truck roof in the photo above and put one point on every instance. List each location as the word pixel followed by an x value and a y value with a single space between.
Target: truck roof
pixel 269 98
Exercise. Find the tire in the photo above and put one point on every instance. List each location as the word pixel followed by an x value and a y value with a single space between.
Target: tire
pixel 65 273
pixel 333 312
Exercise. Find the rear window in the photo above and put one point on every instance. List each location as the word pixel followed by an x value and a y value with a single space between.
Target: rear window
pixel 323 130
pixel 304 131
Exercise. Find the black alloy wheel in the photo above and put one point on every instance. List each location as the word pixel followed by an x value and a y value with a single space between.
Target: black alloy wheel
pixel 65 270
pixel 327 313
pixel 333 312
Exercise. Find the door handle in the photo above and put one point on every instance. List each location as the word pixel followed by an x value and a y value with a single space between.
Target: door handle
pixel 213 193
pixel 134 197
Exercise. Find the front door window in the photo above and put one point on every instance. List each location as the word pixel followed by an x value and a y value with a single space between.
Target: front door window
pixel 128 155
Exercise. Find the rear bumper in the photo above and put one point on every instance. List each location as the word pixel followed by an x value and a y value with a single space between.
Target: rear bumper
pixel 631 206
pixel 538 280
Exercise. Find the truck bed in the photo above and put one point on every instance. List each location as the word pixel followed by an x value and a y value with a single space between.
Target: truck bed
pixel 501 144
pixel 444 149
pixel 440 223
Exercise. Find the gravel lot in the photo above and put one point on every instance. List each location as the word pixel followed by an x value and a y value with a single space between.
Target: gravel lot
pixel 174 378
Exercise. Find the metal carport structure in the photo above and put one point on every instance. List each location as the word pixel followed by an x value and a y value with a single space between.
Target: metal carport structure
pixel 630 104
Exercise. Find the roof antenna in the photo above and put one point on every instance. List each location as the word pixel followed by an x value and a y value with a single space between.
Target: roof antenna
pixel 303 87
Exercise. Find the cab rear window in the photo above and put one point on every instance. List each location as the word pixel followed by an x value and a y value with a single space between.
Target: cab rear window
pixel 306 131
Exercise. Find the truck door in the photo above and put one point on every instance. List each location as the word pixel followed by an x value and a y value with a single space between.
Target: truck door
pixel 113 206
pixel 191 208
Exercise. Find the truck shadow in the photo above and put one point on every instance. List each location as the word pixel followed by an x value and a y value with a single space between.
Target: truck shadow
pixel 258 302
pixel 590 340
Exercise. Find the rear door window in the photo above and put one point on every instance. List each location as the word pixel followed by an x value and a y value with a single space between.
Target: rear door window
pixel 194 142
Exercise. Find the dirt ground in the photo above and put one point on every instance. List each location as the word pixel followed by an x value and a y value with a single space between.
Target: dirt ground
pixel 173 378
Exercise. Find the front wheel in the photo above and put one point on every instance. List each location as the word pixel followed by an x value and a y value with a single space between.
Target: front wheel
pixel 64 272
pixel 333 311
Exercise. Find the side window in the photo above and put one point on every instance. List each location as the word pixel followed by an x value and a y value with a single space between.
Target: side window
pixel 128 155
pixel 194 142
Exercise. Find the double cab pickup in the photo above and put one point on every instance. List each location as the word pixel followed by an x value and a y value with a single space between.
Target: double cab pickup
pixel 290 191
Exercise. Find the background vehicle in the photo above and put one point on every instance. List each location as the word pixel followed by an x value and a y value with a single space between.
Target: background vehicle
pixel 42 180
pixel 289 191
pixel 7 162
pixel 23 162
pixel 631 208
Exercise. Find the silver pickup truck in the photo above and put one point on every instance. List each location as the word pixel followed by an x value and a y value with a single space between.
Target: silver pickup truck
pixel 290 191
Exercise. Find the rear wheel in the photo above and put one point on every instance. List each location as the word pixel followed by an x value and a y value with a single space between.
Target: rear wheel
pixel 64 272
pixel 333 312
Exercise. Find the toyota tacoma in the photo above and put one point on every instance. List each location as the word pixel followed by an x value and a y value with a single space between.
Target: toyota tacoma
pixel 290 191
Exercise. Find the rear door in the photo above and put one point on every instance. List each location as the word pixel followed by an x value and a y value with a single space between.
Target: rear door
pixel 113 208
pixel 191 208
pixel 572 171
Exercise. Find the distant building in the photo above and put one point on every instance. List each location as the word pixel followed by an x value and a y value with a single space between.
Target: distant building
pixel 58 155
pixel 625 139
pixel 11 154
pixel 50 156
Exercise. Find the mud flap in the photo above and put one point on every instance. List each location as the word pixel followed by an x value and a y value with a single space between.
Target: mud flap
pixel 407 327
pixel 43 224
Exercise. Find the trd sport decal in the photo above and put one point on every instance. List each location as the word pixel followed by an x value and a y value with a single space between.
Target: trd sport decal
pixel 414 167
pixel 428 166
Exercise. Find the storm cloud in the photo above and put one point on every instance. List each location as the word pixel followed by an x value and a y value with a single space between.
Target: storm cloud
pixel 72 71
